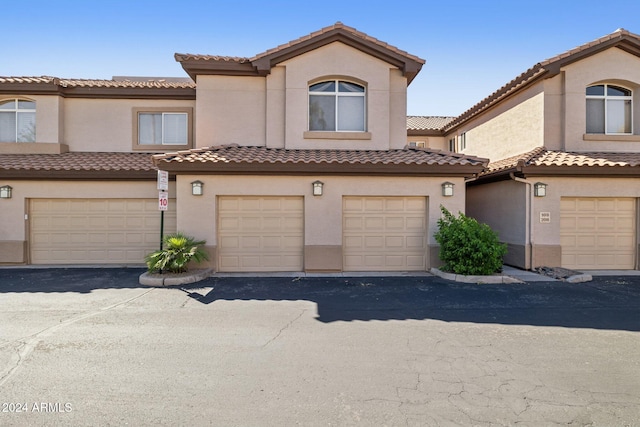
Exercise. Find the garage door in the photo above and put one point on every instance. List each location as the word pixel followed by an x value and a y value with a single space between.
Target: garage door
pixel 384 233
pixel 260 234
pixel 598 233
pixel 95 231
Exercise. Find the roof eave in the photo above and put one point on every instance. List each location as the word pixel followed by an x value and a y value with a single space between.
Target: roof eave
pixel 196 67
pixel 371 169
pixel 409 66
pixel 39 174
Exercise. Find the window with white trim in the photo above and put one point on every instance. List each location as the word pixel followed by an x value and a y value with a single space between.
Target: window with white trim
pixel 463 141
pixel 162 128
pixel 452 144
pixel 17 120
pixel 609 109
pixel 337 105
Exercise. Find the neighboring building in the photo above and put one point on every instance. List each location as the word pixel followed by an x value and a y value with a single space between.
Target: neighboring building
pixel 563 186
pixel 426 132
pixel 300 153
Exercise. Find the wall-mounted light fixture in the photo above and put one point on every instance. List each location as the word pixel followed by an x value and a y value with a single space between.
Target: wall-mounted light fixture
pixel 447 189
pixel 197 188
pixel 539 189
pixel 317 188
pixel 5 192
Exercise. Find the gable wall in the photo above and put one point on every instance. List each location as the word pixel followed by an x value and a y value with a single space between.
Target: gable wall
pixel 610 66
pixel 386 97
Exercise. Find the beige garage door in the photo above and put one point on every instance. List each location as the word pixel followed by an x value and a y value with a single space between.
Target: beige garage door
pixel 96 231
pixel 598 233
pixel 260 234
pixel 384 233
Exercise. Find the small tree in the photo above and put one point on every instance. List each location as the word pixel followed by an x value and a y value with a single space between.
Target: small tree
pixel 468 247
pixel 178 250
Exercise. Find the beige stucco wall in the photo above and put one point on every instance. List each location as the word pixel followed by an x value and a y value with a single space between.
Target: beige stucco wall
pixel 514 127
pixel 14 224
pixel 231 110
pixel 611 66
pixel 502 205
pixel 106 124
pixel 323 215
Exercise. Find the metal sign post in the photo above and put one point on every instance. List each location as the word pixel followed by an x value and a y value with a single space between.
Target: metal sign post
pixel 163 199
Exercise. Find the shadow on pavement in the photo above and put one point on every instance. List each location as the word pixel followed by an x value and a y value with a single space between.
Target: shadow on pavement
pixel 81 280
pixel 606 303
pixel 611 303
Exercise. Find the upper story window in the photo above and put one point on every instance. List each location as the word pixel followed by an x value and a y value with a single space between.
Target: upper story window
pixel 463 141
pixel 609 109
pixel 17 120
pixel 160 129
pixel 338 106
pixel 452 144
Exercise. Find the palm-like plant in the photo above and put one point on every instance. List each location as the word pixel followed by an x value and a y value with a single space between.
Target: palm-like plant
pixel 177 252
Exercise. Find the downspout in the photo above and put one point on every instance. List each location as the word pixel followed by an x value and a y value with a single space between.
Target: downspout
pixel 529 229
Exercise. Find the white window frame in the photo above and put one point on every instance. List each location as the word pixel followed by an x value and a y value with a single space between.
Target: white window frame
pixel 17 110
pixel 463 141
pixel 605 97
pixel 337 94
pixel 187 112
pixel 452 144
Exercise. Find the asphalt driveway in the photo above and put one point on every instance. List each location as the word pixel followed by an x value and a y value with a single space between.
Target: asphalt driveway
pixel 93 347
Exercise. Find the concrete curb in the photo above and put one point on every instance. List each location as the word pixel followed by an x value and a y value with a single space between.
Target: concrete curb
pixel 579 278
pixel 162 280
pixel 493 279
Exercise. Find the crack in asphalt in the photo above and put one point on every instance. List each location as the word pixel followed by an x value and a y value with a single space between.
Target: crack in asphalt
pixel 27 344
pixel 284 328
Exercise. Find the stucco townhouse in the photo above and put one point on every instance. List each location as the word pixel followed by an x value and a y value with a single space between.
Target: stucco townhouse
pixel 563 138
pixel 296 159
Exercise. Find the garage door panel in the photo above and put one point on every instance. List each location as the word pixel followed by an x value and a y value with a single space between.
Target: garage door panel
pixel 395 242
pixel 384 233
pixel 260 234
pixel 598 233
pixel 95 231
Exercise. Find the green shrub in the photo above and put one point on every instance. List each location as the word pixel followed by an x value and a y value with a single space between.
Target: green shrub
pixel 177 251
pixel 468 247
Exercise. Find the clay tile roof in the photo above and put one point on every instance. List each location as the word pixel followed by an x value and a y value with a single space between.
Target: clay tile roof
pixel 31 80
pixel 511 162
pixel 228 157
pixel 338 26
pixel 619 38
pixel 262 63
pixel 137 82
pixel 151 83
pixel 181 57
pixel 418 123
pixel 569 162
pixel 85 164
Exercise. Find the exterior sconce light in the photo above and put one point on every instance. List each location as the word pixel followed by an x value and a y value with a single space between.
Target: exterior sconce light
pixel 447 189
pixel 5 192
pixel 539 189
pixel 196 188
pixel 317 188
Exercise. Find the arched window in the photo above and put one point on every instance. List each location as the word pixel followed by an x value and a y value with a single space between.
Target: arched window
pixel 336 105
pixel 17 120
pixel 609 109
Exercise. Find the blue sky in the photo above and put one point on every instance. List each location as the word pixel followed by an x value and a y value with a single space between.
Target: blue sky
pixel 471 47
